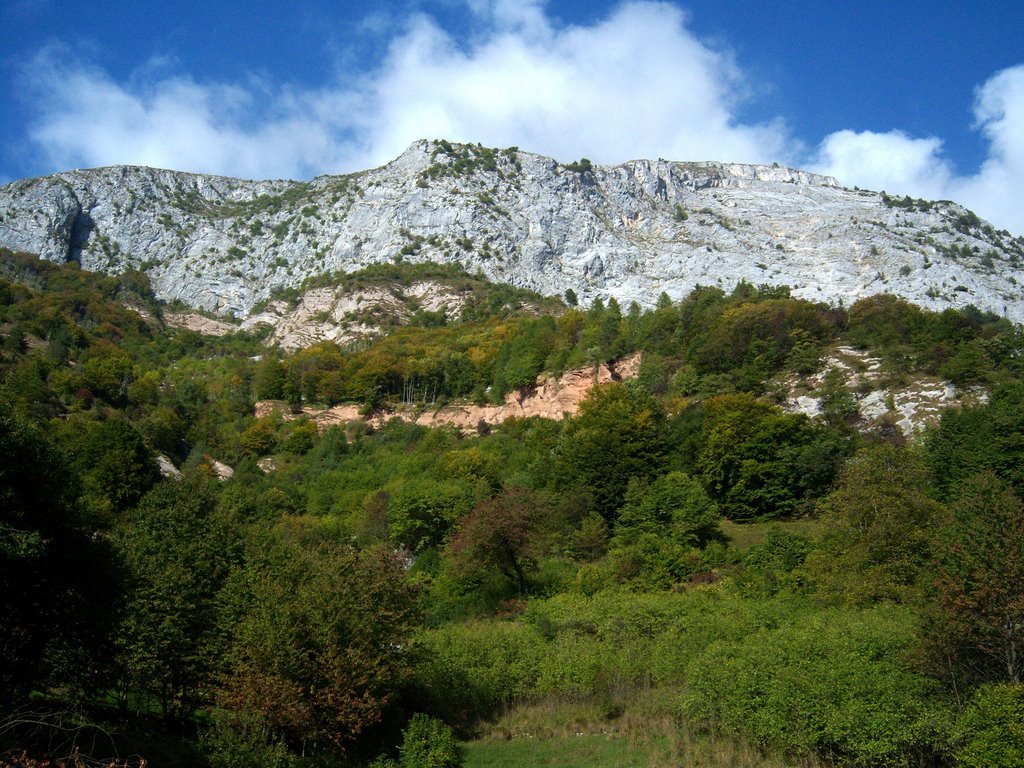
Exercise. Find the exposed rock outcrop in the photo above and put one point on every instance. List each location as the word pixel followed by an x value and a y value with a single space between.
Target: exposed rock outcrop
pixel 167 468
pixel 343 316
pixel 630 231
pixel 194 321
pixel 910 406
pixel 551 398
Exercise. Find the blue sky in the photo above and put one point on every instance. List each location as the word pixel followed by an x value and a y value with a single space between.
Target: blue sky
pixel 914 97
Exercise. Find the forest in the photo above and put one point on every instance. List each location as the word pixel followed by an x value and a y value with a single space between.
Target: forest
pixel 682 573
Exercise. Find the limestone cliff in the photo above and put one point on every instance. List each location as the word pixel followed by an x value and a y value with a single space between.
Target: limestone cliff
pixel 631 231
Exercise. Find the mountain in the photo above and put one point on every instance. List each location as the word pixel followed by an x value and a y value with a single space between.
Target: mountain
pixel 631 231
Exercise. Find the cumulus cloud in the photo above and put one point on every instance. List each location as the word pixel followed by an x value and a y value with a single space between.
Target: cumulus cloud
pixel 635 84
pixel 903 165
pixel 87 119
pixel 995 190
pixel 885 161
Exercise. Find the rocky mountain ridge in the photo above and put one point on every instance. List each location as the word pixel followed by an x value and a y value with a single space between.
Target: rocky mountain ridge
pixel 631 231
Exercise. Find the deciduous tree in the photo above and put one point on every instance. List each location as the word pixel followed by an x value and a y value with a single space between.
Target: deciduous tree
pixel 878 529
pixel 978 627
pixel 320 638
pixel 619 433
pixel 673 506
pixel 501 533
pixel 56 589
pixel 178 554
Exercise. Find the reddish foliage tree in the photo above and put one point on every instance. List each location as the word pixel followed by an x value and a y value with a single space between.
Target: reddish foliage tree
pixel 501 533
pixel 321 642
pixel 979 584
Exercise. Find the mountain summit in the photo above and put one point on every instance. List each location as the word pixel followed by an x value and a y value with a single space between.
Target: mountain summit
pixel 629 231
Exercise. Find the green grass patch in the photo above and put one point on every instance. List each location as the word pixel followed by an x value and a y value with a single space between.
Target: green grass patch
pixel 640 732
pixel 584 751
pixel 678 749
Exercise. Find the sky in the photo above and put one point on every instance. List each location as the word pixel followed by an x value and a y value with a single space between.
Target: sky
pixel 918 97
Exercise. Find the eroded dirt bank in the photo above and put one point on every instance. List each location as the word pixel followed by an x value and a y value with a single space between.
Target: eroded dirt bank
pixel 551 398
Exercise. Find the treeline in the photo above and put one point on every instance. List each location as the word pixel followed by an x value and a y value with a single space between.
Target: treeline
pixel 707 344
pixel 409 579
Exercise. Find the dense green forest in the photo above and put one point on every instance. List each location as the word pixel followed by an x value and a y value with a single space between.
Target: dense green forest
pixel 682 569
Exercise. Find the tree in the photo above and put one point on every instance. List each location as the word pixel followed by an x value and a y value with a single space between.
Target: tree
pixel 583 165
pixel 429 743
pixel 522 357
pixel 301 437
pixel 178 554
pixel 57 590
pixel 753 338
pixel 271 378
pixel 320 638
pixel 768 567
pixel 601 339
pixel 107 374
pixel 973 440
pixel 969 365
pixel 618 433
pixel 649 561
pixel 751 455
pixel 978 625
pixel 422 513
pixel 500 533
pixel 14 341
pixel 838 406
pixel 990 732
pixel 878 529
pixel 116 466
pixel 883 320
pixel 261 438
pixel 674 506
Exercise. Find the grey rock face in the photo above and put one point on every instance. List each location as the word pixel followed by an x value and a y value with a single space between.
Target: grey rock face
pixel 630 231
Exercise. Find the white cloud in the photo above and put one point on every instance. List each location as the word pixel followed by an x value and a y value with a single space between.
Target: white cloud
pixel 995 191
pixel 87 119
pixel 889 161
pixel 524 15
pixel 902 165
pixel 636 84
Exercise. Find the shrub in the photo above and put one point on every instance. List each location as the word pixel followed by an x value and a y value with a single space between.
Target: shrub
pixel 473 668
pixel 834 684
pixel 583 165
pixel 429 743
pixel 236 740
pixel 674 505
pixel 990 733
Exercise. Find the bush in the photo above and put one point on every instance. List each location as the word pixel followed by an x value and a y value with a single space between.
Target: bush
pixel 833 683
pixel 576 648
pixel 470 669
pixel 237 740
pixel 583 165
pixel 990 733
pixel 429 743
